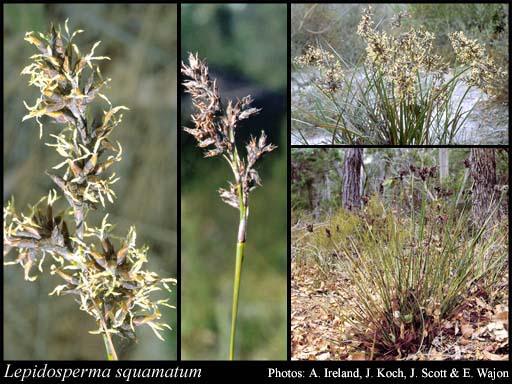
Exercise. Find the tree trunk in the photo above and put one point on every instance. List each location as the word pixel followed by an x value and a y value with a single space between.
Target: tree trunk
pixel 317 200
pixel 326 193
pixel 443 164
pixel 351 179
pixel 484 194
pixel 311 197
pixel 314 197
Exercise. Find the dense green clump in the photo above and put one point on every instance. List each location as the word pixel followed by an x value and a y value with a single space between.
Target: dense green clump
pixel 407 274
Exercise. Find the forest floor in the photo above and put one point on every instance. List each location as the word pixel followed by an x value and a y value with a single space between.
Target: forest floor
pixel 478 331
pixel 315 326
pixel 486 124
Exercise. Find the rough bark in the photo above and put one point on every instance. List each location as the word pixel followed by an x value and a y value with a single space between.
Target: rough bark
pixel 484 191
pixel 351 179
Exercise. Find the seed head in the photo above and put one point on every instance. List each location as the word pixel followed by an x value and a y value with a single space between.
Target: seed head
pixel 216 127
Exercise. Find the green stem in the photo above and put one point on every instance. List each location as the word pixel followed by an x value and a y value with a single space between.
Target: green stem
pixel 236 290
pixel 240 245
pixel 109 347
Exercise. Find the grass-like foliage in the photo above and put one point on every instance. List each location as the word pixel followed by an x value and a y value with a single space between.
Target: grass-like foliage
pixel 215 130
pixel 103 270
pixel 407 273
pixel 403 93
pixel 410 276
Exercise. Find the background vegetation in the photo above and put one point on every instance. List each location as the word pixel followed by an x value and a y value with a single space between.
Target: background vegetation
pixel 335 23
pixel 245 47
pixel 141 42
pixel 313 168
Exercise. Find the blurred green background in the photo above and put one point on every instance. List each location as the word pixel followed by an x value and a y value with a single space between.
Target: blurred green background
pixel 141 42
pixel 246 50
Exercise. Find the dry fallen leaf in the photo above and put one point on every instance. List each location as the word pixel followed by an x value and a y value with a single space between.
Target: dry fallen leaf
pixel 435 355
pixel 324 356
pixel 494 357
pixel 501 317
pixel 357 356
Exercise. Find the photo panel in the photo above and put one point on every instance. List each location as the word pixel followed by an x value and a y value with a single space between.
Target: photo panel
pixel 234 182
pixel 90 182
pixel 400 253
